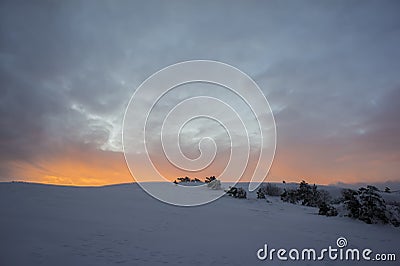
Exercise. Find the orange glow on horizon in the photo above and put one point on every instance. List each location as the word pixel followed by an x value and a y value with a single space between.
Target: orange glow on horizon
pixel 79 167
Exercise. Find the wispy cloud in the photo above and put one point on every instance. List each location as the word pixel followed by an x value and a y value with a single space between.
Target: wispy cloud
pixel 329 70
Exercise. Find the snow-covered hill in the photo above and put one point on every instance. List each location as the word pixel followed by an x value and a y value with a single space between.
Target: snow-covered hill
pixel 121 224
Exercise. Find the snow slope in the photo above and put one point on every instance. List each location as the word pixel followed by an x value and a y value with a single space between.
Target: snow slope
pixel 122 225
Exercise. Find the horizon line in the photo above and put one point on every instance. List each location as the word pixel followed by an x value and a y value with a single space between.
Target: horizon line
pixel 239 182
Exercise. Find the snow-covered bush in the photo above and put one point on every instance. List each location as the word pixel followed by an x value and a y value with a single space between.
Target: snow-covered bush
pixel 261 193
pixel 273 190
pixel 306 194
pixel 350 200
pixel 241 193
pixel 214 184
pixel 290 195
pixel 367 205
pixel 394 213
pixel 237 192
pixel 183 179
pixel 327 209
pixel 373 207
pixel 270 190
pixel 210 179
pixel 186 179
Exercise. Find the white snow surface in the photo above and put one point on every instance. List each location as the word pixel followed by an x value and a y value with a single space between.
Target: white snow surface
pixel 122 225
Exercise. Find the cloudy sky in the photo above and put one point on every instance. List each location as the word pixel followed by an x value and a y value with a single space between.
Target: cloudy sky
pixel 329 69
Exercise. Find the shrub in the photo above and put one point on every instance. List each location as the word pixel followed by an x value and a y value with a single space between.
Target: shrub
pixel 273 190
pixel 309 195
pixel 367 205
pixel 306 194
pixel 327 210
pixel 373 207
pixel 290 195
pixel 209 179
pixel 241 193
pixel 270 190
pixel 351 202
pixel 394 213
pixel 183 179
pixel 237 192
pixel 186 179
pixel 215 184
pixel 261 193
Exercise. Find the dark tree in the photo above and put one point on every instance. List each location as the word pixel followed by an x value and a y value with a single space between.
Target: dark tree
pixel 326 209
pixel 351 202
pixel 237 192
pixel 209 179
pixel 260 193
pixel 290 196
pixel 373 207
pixel 307 195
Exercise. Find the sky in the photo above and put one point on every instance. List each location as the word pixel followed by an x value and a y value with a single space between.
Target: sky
pixel 329 69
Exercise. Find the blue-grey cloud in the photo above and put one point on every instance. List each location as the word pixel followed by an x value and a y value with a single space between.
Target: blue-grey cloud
pixel 329 70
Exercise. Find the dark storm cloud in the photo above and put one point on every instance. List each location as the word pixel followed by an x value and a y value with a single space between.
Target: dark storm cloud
pixel 329 69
